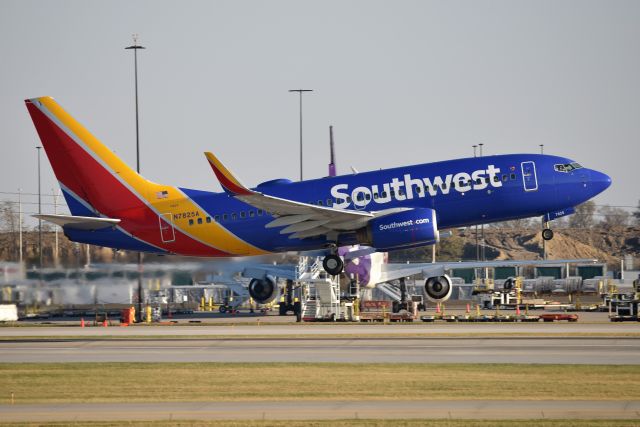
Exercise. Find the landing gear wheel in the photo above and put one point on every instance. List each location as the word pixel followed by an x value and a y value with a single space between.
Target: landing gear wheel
pixel 547 234
pixel 333 264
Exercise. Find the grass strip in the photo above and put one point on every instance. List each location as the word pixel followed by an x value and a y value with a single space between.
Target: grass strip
pixel 346 423
pixel 207 382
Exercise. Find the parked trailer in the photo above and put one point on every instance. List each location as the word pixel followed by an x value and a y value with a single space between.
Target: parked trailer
pixel 8 313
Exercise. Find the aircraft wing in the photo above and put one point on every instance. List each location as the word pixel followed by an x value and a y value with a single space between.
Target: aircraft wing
pixel 397 271
pixel 80 222
pixel 300 220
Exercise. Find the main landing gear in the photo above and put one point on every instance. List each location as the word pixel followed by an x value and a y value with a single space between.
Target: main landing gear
pixel 333 264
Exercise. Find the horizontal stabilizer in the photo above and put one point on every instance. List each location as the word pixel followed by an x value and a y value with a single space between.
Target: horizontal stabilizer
pixel 80 222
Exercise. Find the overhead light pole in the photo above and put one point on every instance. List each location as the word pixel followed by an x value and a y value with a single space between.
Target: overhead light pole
pixel 541 148
pixel 135 48
pixel 39 148
pixel 482 247
pixel 20 224
pixel 300 91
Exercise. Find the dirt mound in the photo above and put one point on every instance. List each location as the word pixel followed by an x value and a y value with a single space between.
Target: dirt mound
pixel 606 245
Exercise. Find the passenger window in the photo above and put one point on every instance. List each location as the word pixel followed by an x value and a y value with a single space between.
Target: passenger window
pixel 384 194
pixel 348 199
pixel 513 176
pixel 329 202
pixel 478 181
pixel 375 196
pixel 225 217
pixel 259 212
pixel 320 203
pixel 393 193
pixel 234 216
pixel 400 192
pixel 505 177
pixel 199 220
pixel 444 186
pixel 252 214
pixel 190 222
pixel 243 214
pixel 208 219
pixel 496 178
pixel 216 218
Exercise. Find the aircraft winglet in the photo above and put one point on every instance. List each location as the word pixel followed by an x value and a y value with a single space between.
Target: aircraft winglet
pixel 229 182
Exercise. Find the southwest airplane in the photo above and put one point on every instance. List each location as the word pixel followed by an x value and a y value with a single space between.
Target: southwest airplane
pixel 111 205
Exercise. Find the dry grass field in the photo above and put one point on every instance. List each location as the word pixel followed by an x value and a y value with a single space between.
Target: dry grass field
pixel 206 382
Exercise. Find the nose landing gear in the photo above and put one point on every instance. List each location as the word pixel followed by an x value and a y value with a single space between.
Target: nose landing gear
pixel 547 233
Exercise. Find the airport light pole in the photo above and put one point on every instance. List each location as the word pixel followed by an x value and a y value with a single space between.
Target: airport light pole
pixel 39 148
pixel 544 242
pixel 135 48
pixel 300 91
pixel 475 154
pixel 20 224
pixel 482 248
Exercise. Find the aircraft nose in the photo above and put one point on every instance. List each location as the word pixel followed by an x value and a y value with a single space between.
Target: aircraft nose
pixel 599 181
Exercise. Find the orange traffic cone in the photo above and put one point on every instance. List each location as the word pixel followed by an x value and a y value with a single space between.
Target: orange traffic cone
pixel 82 322
pixel 438 308
pixel 517 310
pixel 104 323
pixel 468 309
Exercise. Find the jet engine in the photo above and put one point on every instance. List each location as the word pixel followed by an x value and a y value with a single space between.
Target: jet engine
pixel 438 289
pixel 264 290
pixel 415 227
pixel 509 283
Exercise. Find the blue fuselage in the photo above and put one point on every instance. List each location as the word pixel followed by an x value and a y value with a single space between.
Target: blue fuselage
pixel 463 192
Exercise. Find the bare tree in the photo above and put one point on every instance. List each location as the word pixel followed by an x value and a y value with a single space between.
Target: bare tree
pixel 583 218
pixel 613 217
pixel 9 224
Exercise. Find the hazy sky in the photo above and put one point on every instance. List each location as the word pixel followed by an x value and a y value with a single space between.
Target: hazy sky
pixel 402 82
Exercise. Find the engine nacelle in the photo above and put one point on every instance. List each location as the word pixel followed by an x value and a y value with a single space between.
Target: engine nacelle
pixel 263 291
pixel 438 288
pixel 509 283
pixel 399 230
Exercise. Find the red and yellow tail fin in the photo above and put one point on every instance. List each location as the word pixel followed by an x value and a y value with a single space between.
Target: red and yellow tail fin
pixel 82 164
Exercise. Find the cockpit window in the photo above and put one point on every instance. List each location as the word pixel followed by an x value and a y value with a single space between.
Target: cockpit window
pixel 567 167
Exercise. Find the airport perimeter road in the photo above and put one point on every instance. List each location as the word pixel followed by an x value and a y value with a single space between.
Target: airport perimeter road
pixel 563 350
pixel 317 410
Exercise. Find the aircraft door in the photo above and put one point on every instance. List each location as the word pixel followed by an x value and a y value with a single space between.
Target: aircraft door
pixel 167 233
pixel 529 178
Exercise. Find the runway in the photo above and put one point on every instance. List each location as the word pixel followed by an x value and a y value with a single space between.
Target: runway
pixel 544 350
pixel 317 410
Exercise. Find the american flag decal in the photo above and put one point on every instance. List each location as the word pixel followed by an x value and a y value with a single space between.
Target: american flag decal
pixel 162 194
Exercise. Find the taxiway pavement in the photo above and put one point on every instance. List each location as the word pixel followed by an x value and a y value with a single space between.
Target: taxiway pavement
pixel 544 350
pixel 254 328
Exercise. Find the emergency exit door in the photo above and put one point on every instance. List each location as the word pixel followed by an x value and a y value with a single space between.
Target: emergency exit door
pixel 529 178
pixel 167 233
